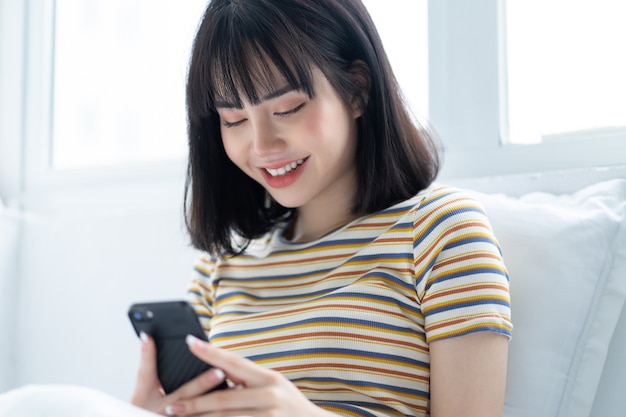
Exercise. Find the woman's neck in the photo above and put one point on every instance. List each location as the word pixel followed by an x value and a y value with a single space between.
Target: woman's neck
pixel 315 220
pixel 306 228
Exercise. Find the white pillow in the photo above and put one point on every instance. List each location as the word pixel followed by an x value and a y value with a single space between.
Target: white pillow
pixel 566 256
pixel 65 401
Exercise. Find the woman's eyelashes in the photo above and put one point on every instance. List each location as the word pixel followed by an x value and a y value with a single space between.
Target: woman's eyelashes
pixel 227 124
pixel 281 114
pixel 291 111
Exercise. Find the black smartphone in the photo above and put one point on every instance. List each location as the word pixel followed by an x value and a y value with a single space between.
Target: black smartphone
pixel 169 323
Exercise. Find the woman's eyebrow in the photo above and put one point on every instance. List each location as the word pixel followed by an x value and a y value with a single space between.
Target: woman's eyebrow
pixel 221 104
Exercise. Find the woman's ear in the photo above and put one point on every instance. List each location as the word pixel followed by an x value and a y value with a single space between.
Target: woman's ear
pixel 360 73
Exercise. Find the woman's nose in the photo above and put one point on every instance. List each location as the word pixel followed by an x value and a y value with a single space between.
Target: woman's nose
pixel 265 140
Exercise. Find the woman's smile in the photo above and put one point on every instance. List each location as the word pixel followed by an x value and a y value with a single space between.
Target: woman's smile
pixel 285 175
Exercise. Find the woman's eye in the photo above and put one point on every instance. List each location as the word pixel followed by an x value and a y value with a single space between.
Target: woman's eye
pixel 291 111
pixel 227 124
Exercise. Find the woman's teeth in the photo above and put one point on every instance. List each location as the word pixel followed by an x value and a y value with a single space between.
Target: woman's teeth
pixel 283 170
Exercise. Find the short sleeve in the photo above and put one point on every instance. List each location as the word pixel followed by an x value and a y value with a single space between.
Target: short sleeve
pixel 461 280
pixel 200 292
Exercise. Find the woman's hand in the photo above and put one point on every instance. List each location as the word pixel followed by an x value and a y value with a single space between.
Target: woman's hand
pixel 148 392
pixel 258 392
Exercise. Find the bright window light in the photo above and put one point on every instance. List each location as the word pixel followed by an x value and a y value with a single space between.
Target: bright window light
pixel 119 80
pixel 403 28
pixel 566 68
pixel 120 69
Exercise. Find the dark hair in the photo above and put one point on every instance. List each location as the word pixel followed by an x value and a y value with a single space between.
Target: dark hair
pixel 239 46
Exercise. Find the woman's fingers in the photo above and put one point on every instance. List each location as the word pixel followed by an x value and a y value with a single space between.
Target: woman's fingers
pixel 239 370
pixel 200 385
pixel 251 400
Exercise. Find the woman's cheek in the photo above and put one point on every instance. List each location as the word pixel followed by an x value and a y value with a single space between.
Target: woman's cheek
pixel 230 146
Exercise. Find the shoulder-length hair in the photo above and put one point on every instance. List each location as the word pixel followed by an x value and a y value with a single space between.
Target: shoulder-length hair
pixel 242 47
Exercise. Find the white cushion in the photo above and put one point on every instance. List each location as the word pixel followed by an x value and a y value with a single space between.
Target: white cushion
pixel 65 401
pixel 566 256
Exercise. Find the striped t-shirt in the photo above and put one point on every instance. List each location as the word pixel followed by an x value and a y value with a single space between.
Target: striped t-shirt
pixel 348 317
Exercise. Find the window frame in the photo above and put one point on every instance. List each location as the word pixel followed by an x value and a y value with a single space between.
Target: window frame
pixel 12 34
pixel 38 173
pixel 468 100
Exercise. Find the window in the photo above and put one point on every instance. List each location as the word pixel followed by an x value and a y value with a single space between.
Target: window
pixel 450 57
pixel 566 68
pixel 118 91
pixel 407 48
pixel 119 71
pixel 471 90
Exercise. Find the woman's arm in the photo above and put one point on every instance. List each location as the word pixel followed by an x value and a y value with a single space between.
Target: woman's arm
pixel 468 375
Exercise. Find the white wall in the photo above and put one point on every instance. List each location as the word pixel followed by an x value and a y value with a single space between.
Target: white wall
pixel 9 235
pixel 82 267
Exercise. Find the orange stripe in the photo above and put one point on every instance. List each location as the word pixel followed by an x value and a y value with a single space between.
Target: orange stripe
pixel 468 257
pixel 372 369
pixel 461 290
pixel 353 336
pixel 452 323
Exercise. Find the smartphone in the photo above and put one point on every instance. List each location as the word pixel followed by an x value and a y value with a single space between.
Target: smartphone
pixel 169 323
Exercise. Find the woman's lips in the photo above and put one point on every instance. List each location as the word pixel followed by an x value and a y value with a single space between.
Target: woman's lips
pixel 284 175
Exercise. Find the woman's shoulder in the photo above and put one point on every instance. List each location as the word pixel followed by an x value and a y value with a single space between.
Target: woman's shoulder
pixel 204 264
pixel 443 208
pixel 444 198
pixel 438 198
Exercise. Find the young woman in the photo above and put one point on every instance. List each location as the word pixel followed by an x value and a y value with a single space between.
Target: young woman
pixel 337 280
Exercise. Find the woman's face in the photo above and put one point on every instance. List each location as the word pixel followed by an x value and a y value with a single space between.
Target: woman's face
pixel 300 149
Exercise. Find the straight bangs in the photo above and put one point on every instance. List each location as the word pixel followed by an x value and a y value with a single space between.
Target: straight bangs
pixel 260 54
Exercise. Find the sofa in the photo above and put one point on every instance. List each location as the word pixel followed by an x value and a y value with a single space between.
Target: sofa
pixel 562 235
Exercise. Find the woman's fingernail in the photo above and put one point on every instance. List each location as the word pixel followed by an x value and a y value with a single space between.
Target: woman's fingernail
pixel 193 341
pixel 172 410
pixel 144 337
pixel 218 375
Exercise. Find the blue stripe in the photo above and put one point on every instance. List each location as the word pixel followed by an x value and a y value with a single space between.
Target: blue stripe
pixel 427 270
pixel 396 280
pixel 195 293
pixel 473 271
pixel 204 274
pixel 329 294
pixel 282 297
pixel 405 225
pixel 472 303
pixel 376 298
pixel 427 203
pixel 323 244
pixel 366 384
pixel 320 272
pixel 468 240
pixel 350 408
pixel 404 206
pixel 316 320
pixel 478 330
pixel 451 213
pixel 306 274
pixel 383 255
pixel 347 352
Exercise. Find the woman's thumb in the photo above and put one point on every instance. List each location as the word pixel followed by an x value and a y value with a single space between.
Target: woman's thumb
pixel 147 379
